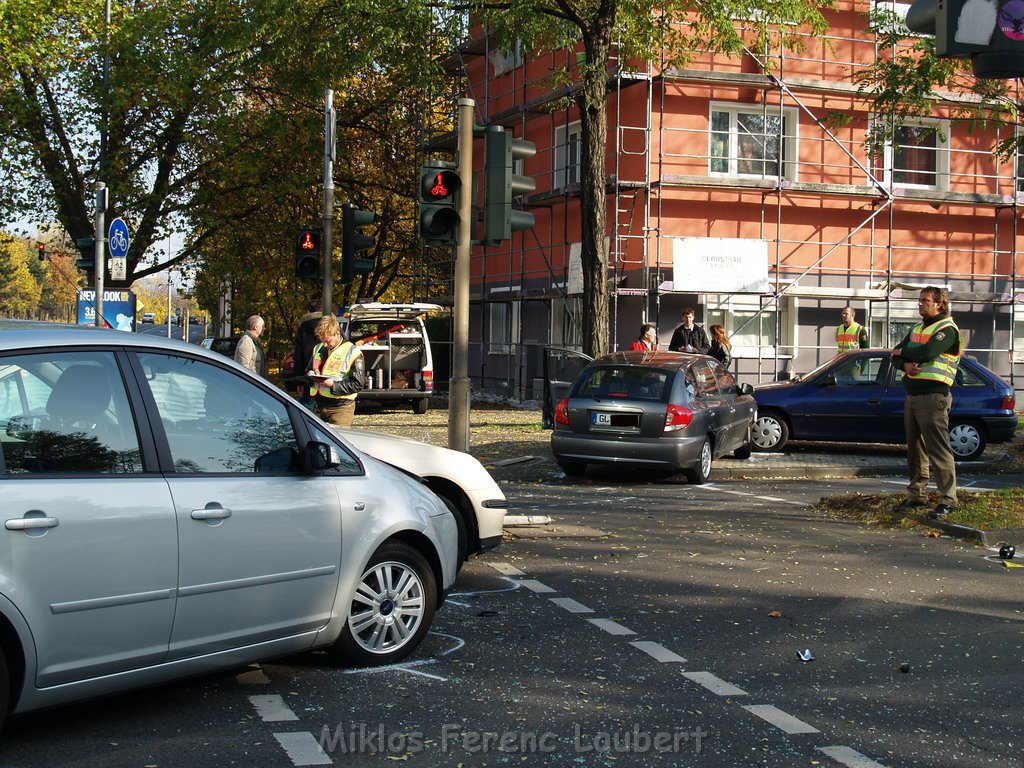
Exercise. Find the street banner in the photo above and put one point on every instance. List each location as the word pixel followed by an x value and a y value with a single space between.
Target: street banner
pixel 118 309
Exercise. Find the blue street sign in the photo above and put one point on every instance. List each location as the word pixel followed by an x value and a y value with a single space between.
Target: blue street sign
pixel 117 239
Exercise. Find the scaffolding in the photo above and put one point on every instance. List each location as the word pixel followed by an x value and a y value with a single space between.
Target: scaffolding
pixel 662 159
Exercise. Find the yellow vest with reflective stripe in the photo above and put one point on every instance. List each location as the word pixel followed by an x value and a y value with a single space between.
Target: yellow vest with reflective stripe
pixel 943 368
pixel 337 366
pixel 848 338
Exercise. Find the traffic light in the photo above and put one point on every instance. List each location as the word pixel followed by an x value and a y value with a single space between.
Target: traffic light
pixel 87 249
pixel 41 249
pixel 439 215
pixel 308 252
pixel 501 151
pixel 353 242
pixel 990 33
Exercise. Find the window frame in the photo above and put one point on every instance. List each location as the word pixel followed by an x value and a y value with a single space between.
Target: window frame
pixel 941 168
pixel 568 142
pixel 722 308
pixel 503 326
pixel 788 148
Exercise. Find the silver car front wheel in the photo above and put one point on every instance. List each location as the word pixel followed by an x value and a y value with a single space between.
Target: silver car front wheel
pixel 392 608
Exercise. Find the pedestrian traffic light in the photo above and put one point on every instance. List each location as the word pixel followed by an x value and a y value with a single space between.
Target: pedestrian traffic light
pixel 41 249
pixel 353 242
pixel 989 32
pixel 87 249
pixel 439 215
pixel 501 184
pixel 308 253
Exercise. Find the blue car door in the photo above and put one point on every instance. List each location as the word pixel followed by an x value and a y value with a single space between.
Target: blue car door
pixel 845 402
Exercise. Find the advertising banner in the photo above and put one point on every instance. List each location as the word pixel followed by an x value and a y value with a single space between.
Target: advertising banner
pixel 118 309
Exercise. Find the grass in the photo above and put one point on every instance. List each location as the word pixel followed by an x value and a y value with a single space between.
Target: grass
pixel 987 511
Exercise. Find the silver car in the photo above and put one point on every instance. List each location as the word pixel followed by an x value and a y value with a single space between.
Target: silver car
pixel 662 410
pixel 167 513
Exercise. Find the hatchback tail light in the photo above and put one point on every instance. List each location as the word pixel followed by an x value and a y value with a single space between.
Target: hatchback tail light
pixel 562 412
pixel 1009 402
pixel 428 378
pixel 677 417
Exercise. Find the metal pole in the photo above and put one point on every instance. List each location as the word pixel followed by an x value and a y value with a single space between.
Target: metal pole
pixel 459 386
pixel 327 243
pixel 101 211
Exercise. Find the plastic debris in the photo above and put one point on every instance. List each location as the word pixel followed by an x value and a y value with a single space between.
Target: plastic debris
pixel 805 655
pixel 905 667
pixel 1007 551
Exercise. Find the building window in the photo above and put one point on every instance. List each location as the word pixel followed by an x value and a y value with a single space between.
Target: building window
pixel 1020 165
pixel 755 325
pixel 503 323
pixel 568 153
pixel 751 141
pixel 918 155
pixel 566 319
pixel 505 60
pixel 888 17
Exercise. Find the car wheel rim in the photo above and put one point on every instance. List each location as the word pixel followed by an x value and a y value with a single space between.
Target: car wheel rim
pixel 964 439
pixel 387 608
pixel 767 433
pixel 705 459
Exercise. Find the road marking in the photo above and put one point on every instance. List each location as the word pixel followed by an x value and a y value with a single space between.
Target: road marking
pixel 780 719
pixel 303 749
pixel 506 569
pixel 570 605
pixel 769 498
pixel 272 709
pixel 657 651
pixel 761 498
pixel 849 757
pixel 714 684
pixel 254 676
pixel 535 586
pixel 611 627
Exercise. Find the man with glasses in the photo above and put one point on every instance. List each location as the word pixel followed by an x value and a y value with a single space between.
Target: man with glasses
pixel 929 356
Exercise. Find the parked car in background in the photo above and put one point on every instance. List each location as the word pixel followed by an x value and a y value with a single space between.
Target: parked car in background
pixel 168 513
pixel 661 410
pixel 859 397
pixel 224 345
pixel 148 317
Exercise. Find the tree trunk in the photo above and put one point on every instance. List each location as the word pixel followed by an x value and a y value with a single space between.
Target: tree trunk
pixel 593 104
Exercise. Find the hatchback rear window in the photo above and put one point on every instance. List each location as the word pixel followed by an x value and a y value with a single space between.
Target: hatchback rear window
pixel 624 382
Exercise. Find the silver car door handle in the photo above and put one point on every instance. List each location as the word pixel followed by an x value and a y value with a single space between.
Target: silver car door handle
pixel 359 506
pixel 217 513
pixel 29 523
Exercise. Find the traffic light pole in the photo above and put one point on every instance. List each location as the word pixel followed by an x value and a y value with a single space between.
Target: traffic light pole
pixel 459 387
pixel 101 261
pixel 327 242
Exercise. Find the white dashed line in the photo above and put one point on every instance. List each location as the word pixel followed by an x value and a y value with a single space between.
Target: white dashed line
pixel 535 586
pixel 611 627
pixel 769 498
pixel 303 749
pixel 780 719
pixel 714 684
pixel 762 498
pixel 253 677
pixel 506 569
pixel 849 757
pixel 272 709
pixel 570 605
pixel 657 651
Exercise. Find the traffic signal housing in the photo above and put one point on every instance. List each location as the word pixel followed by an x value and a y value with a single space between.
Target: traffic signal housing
pixel 41 249
pixel 439 207
pixel 991 34
pixel 308 252
pixel 354 242
pixel 501 184
pixel 87 250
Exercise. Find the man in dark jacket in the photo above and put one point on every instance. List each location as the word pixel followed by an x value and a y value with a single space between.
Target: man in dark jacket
pixel 929 356
pixel 689 337
pixel 302 351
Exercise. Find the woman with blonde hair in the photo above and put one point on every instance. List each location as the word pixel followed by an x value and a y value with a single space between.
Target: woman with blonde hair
pixel 721 347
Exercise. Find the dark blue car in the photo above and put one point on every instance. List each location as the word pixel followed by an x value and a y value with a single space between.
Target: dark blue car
pixel 858 397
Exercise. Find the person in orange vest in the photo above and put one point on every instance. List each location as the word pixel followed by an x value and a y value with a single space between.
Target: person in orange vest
pixel 337 374
pixel 850 335
pixel 929 356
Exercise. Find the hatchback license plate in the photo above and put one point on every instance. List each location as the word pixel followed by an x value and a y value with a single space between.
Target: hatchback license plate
pixel 605 419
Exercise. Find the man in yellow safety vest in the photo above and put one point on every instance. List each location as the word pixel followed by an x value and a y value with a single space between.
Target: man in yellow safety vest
pixel 850 335
pixel 929 356
pixel 336 374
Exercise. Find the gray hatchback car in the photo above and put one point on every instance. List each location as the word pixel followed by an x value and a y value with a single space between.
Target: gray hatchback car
pixel 167 513
pixel 662 410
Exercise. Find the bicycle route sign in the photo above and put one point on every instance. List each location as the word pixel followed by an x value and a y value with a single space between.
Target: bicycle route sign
pixel 117 241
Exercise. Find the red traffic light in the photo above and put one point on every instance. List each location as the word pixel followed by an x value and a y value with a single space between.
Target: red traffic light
pixel 309 240
pixel 439 184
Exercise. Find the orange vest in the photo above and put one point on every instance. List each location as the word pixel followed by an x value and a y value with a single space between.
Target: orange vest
pixel 943 368
pixel 848 338
pixel 337 366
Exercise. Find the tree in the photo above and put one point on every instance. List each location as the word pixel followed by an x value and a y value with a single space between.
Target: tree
pixel 639 30
pixel 19 291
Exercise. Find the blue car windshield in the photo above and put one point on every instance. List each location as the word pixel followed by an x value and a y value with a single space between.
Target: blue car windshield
pixel 624 383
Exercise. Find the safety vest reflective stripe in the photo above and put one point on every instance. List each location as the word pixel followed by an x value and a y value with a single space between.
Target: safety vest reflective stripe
pixel 848 338
pixel 943 368
pixel 337 366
